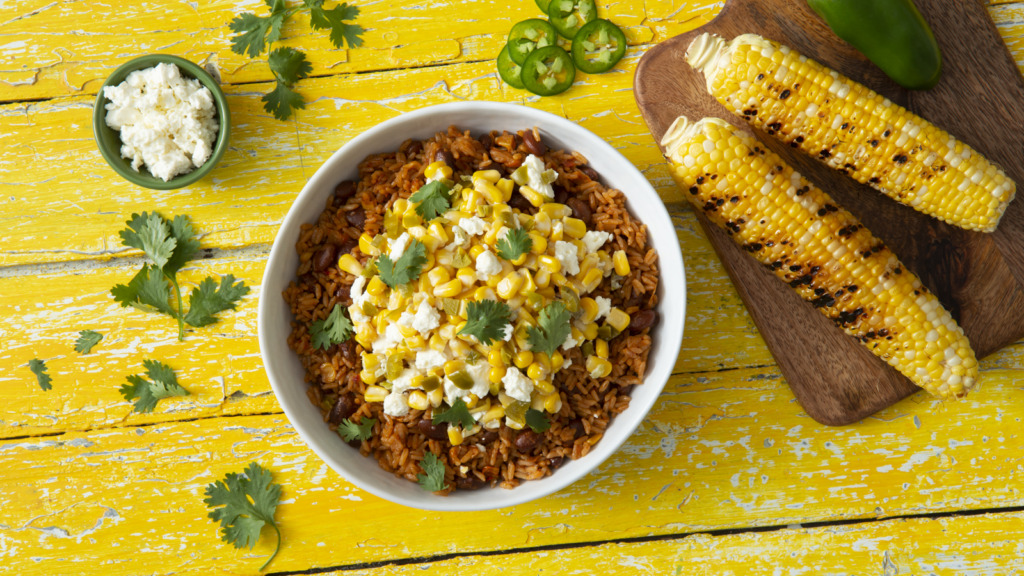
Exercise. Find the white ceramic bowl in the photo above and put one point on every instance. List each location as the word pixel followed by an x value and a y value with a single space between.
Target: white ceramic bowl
pixel 287 375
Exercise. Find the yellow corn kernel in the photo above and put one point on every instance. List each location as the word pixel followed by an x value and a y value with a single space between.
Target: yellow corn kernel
pixel 590 308
pixel 488 190
pixel 375 394
pixel 484 293
pixel 400 206
pixel 493 281
pixel 467 276
pixel 438 276
pixel 436 396
pixel 552 403
pixel 617 319
pixel 589 262
pixel 506 186
pixel 534 197
pixel 576 334
pixel 540 243
pixel 415 342
pixel 544 359
pixel 544 386
pixel 495 374
pixel 521 259
pixel 601 348
pixel 490 237
pixel 376 286
pixel 574 227
pixel 434 167
pixel 542 223
pixel 453 366
pixel 368 376
pixel 598 367
pixel 437 231
pixel 542 278
pixel 590 331
pixel 365 336
pixel 459 345
pixel 494 356
pixel 348 263
pixel 430 261
pixel 522 359
pixel 621 263
pixel 455 435
pixel 557 231
pixel 509 285
pixel 556 211
pixel 592 279
pixel 366 245
pixel 470 400
pixel 529 285
pixel 418 400
pixel 436 342
pixel 558 279
pixel 491 176
pixel 411 219
pixel 423 283
pixel 557 360
pixel 549 263
pixel 535 371
pixel 371 362
pixel 448 289
pixel 407 331
pixel 476 250
pixel 493 413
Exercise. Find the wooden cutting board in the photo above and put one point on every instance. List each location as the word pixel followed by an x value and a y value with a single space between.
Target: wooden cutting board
pixel 978 277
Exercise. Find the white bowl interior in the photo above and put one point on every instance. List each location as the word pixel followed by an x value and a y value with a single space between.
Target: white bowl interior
pixel 287 375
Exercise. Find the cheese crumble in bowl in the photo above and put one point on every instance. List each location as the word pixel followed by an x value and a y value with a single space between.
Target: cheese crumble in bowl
pixel 473 304
pixel 161 122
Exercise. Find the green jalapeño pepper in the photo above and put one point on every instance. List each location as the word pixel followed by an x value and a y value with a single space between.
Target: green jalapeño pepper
pixel 598 46
pixel 527 36
pixel 568 16
pixel 548 71
pixel 891 33
pixel 509 71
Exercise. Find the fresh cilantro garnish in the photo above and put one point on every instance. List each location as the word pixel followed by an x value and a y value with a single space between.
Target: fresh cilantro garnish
pixel 406 269
pixel 486 320
pixel 86 340
pixel 254 34
pixel 146 393
pixel 457 414
pixel 38 367
pixel 349 430
pixel 554 328
pixel 334 329
pixel 433 199
pixel 433 480
pixel 537 421
pixel 170 245
pixel 243 503
pixel 515 243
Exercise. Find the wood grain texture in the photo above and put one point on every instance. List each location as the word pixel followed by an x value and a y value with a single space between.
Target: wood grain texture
pixel 978 277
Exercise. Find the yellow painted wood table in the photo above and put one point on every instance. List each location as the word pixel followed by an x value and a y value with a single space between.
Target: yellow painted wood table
pixel 727 475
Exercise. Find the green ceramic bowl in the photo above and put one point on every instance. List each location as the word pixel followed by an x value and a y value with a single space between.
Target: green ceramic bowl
pixel 109 140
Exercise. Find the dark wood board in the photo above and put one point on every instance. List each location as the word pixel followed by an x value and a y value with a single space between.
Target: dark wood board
pixel 978 277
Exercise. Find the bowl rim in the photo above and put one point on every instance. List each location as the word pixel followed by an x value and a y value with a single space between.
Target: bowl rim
pixel 143 177
pixel 670 329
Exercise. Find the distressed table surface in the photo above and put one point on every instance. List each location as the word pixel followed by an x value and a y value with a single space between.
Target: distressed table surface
pixel 727 475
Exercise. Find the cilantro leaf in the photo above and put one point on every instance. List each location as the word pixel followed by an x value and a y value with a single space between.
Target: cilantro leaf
pixel 208 299
pixel 289 66
pixel 38 367
pixel 515 243
pixel 406 269
pixel 457 414
pixel 86 340
pixel 537 421
pixel 433 200
pixel 349 430
pixel 433 479
pixel 186 244
pixel 334 329
pixel 151 234
pixel 319 18
pixel 148 291
pixel 487 320
pixel 252 31
pixel 282 100
pixel 243 504
pixel 146 393
pixel 554 328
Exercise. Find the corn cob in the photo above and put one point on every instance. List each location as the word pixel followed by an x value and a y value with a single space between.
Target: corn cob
pixel 853 129
pixel 821 250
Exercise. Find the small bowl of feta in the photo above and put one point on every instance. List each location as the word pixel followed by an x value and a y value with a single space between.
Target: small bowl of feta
pixel 161 121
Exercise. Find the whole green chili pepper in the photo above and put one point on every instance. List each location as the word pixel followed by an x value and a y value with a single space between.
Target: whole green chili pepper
pixel 891 33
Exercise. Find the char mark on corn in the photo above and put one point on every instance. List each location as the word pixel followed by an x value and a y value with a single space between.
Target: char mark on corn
pixel 822 251
pixel 853 129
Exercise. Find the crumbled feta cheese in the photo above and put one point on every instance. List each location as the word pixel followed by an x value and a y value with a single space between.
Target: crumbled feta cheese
pixel 355 292
pixel 568 254
pixel 427 318
pixel 398 246
pixel 492 425
pixel 165 120
pixel 460 236
pixel 594 239
pixel 604 306
pixel 403 382
pixel 392 337
pixel 516 385
pixel 396 405
pixel 428 359
pixel 566 363
pixel 508 332
pixel 481 385
pixel 473 225
pixel 539 176
pixel 405 319
pixel 487 265
pixel 569 343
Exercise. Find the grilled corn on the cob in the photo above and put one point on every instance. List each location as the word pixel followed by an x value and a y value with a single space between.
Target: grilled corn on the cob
pixel 853 129
pixel 821 250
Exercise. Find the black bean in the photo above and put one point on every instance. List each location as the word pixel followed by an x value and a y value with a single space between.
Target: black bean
pixel 343 408
pixel 590 172
pixel 445 156
pixel 357 217
pixel 526 441
pixel 535 146
pixel 468 483
pixel 433 431
pixel 488 437
pixel 347 246
pixel 561 194
pixel 343 191
pixel 486 141
pixel 577 426
pixel 581 210
pixel 348 350
pixel 642 320
pixel 520 202
pixel 325 257
pixel 555 462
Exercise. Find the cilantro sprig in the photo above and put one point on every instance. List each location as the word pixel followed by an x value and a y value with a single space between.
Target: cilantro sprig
pixel 86 340
pixel 169 245
pixel 334 329
pixel 254 34
pixel 486 320
pixel 515 243
pixel 433 200
pixel 457 414
pixel 406 269
pixel 38 367
pixel 243 504
pixel 537 421
pixel 554 328
pixel 349 430
pixel 146 393
pixel 433 478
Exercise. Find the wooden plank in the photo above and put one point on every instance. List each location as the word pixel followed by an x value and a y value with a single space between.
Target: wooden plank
pixel 979 277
